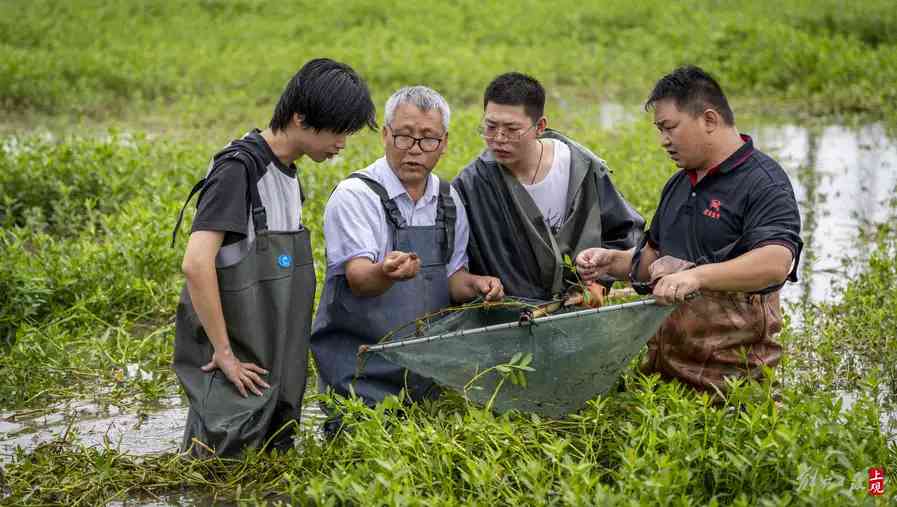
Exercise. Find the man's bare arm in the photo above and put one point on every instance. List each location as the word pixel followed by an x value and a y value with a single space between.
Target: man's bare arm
pixel 369 279
pixel 465 286
pixel 753 271
pixel 202 284
pixel 596 262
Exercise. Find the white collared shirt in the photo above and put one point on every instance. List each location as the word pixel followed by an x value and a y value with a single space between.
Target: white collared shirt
pixel 355 223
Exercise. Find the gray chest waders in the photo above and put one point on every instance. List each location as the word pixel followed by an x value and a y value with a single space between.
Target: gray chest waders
pixel 345 321
pixel 267 300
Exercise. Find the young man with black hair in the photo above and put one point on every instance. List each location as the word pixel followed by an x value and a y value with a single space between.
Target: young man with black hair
pixel 534 196
pixel 727 227
pixel 244 318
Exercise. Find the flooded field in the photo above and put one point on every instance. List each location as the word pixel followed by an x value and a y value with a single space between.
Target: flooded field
pixel 104 131
pixel 152 429
pixel 843 179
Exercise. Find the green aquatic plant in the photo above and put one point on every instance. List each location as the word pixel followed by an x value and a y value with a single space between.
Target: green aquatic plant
pixel 514 370
pixel 842 343
pixel 658 443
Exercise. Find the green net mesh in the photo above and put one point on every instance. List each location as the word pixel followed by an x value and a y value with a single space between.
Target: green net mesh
pixel 576 355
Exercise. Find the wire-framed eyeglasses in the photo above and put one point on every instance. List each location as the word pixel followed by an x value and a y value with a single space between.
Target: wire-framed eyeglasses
pixel 406 142
pixel 511 134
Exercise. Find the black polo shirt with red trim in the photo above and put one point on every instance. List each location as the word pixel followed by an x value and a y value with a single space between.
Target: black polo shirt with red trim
pixel 743 203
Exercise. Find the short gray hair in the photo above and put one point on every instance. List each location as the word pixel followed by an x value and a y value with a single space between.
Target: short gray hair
pixel 424 98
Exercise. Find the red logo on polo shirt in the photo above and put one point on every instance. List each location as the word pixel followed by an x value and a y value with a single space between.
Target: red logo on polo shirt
pixel 712 211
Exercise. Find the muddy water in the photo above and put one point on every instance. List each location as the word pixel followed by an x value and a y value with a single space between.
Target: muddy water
pixel 844 180
pixel 148 430
pixel 155 429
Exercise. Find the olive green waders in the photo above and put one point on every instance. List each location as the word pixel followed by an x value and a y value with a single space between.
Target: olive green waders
pixel 266 300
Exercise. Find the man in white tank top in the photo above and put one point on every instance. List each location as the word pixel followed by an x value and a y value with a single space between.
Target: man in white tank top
pixel 535 196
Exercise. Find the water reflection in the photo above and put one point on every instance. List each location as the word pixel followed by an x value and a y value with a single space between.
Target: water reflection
pixel 843 179
pixel 156 430
pixel 150 430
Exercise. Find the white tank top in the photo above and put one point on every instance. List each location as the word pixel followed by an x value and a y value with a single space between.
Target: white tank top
pixel 550 194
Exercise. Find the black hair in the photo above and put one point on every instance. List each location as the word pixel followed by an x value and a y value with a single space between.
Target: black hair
pixel 516 89
pixel 694 91
pixel 330 96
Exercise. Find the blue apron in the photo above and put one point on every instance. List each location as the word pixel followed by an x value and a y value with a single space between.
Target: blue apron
pixel 345 321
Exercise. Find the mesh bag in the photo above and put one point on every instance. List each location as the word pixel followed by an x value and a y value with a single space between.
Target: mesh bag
pixel 576 355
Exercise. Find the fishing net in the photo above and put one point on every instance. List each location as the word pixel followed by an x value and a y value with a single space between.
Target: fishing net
pixel 575 354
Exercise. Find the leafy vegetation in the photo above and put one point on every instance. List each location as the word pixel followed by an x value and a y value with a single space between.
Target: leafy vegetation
pixel 145 59
pixel 656 444
pixel 854 338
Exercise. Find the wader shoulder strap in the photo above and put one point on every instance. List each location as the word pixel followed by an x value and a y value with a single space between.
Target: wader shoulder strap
pixel 446 215
pixel 302 190
pixel 259 215
pixel 177 225
pixel 392 210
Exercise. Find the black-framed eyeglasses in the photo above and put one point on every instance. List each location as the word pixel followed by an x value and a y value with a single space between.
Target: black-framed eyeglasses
pixel 406 142
pixel 511 134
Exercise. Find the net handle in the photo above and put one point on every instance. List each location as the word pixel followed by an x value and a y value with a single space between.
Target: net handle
pixel 363 349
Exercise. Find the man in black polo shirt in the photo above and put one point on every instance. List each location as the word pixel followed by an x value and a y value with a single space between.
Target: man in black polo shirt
pixel 727 226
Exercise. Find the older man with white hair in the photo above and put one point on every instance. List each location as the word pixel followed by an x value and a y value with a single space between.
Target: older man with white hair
pixel 396 240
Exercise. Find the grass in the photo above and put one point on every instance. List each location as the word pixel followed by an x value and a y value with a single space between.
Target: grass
pixel 143 61
pixel 105 130
pixel 852 339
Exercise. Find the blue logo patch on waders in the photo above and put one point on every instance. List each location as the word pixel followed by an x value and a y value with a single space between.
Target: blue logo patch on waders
pixel 284 261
